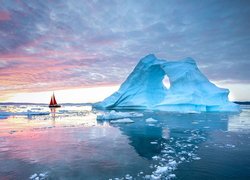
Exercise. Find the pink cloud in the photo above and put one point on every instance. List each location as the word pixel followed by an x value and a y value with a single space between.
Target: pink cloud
pixel 5 16
pixel 48 70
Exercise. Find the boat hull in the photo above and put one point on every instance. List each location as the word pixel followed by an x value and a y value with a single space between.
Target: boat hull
pixel 54 106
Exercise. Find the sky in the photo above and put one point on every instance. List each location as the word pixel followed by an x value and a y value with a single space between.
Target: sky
pixel 83 50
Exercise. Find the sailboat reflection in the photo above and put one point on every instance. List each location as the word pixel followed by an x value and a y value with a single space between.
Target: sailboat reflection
pixel 53 115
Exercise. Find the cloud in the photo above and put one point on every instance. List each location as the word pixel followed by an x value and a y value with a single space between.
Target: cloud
pixel 61 44
pixel 5 16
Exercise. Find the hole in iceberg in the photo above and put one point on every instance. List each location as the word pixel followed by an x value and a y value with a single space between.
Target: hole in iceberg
pixel 166 82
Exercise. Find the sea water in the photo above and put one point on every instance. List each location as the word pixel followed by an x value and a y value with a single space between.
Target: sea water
pixel 70 143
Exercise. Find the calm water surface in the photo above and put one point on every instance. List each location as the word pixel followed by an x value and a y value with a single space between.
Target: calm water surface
pixel 72 144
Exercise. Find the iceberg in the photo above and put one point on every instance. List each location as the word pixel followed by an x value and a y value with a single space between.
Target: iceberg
pixel 189 91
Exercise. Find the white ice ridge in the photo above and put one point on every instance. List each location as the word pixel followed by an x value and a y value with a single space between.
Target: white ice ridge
pixel 189 91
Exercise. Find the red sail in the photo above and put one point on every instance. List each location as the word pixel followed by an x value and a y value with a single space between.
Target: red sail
pixel 54 99
pixel 51 103
pixel 51 100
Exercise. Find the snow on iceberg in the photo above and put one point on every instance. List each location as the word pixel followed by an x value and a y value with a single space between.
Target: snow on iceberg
pixel 189 91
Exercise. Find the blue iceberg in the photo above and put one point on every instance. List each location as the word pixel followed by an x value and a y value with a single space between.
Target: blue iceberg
pixel 189 91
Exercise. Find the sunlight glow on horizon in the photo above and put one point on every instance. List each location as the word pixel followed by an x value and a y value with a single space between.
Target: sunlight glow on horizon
pixel 81 95
pixel 94 94
pixel 238 92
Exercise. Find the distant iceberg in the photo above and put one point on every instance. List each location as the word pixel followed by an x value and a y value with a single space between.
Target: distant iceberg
pixel 189 91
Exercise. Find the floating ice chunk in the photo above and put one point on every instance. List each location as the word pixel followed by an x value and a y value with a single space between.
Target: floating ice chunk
pixel 193 112
pixel 4 113
pixel 161 169
pixel 170 151
pixel 164 151
pixel 128 177
pixel 230 145
pixel 172 176
pixel 155 177
pixel 153 142
pixel 194 122
pixel 124 120
pixel 118 115
pixel 182 159
pixel 172 163
pixel 33 112
pixel 183 152
pixel 196 158
pixel 155 157
pixel 43 175
pixel 33 176
pixel 151 120
pixel 26 112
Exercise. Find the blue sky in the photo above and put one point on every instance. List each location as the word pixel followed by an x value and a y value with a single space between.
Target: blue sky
pixel 56 45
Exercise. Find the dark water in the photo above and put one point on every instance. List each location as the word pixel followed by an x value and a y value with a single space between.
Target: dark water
pixel 72 144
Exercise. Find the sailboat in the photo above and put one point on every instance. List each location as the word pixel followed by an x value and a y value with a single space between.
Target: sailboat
pixel 53 103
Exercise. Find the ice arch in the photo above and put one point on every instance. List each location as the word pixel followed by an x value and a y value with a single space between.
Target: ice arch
pixel 166 82
pixel 190 90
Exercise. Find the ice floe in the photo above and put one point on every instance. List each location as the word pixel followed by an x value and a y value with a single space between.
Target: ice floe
pixel 124 120
pixel 151 120
pixel 128 177
pixel 175 150
pixel 153 142
pixel 39 176
pixel 32 112
pixel 118 115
